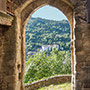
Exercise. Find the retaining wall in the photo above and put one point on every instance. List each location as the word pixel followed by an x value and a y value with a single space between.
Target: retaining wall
pixel 46 82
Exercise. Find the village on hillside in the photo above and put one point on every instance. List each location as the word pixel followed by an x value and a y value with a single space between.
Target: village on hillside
pixel 47 48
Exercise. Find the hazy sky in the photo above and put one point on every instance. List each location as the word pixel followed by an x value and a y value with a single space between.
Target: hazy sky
pixel 49 12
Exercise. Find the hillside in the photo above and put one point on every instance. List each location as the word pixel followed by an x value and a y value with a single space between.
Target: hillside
pixel 47 32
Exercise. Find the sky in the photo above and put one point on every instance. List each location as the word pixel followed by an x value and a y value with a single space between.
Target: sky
pixel 49 12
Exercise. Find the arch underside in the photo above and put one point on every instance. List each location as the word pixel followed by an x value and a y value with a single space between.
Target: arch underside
pixel 29 7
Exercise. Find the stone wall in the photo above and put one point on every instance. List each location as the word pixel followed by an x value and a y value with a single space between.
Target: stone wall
pixel 49 81
pixel 82 47
pixel 1 55
pixel 7 60
pixel 8 70
pixel 3 5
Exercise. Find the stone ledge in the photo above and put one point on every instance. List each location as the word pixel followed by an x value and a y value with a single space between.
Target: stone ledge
pixel 5 19
pixel 48 81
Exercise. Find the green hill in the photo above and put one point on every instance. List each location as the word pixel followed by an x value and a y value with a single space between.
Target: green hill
pixel 47 32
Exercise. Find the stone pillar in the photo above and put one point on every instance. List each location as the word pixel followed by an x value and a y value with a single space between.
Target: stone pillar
pixel 1 58
pixel 7 59
pixel 9 69
pixel 82 47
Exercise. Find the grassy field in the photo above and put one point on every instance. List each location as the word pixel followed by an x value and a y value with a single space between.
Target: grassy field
pixel 65 86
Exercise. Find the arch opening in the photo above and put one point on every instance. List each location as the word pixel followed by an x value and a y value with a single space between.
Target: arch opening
pixel 33 24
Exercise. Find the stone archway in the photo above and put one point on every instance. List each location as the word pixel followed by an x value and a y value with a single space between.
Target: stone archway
pixel 12 41
pixel 23 13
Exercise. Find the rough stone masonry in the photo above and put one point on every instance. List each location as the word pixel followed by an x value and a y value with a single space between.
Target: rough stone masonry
pixel 14 15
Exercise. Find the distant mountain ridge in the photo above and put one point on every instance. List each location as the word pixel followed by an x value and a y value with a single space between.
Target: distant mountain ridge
pixel 48 19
